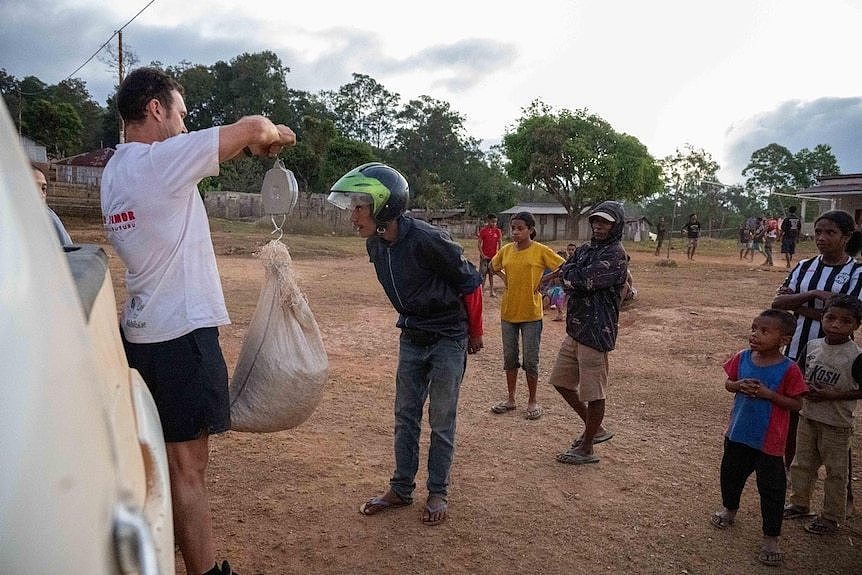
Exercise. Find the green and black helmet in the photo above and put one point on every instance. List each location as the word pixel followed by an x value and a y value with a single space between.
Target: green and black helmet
pixel 375 184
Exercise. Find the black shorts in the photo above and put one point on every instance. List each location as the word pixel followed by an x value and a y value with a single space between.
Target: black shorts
pixel 187 378
pixel 788 246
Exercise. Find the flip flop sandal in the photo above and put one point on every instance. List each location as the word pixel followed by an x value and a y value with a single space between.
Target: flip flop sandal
pixel 600 438
pixel 376 505
pixel 571 457
pixel 720 521
pixel 770 558
pixel 533 414
pixel 502 407
pixel 821 527
pixel 796 512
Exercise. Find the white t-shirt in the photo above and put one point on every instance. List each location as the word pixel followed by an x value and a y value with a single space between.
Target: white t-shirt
pixel 155 219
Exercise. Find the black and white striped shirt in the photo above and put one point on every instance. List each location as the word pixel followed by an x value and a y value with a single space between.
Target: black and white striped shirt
pixel 813 274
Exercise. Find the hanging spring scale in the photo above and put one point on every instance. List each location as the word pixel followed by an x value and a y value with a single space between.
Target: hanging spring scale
pixel 279 194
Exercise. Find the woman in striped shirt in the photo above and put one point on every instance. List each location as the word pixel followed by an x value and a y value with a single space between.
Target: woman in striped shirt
pixel 811 283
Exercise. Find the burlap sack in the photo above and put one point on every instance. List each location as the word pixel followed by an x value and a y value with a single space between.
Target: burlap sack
pixel 282 368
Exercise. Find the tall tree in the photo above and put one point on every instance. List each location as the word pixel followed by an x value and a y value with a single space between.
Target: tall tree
pixel 773 169
pixel 811 165
pixel 690 179
pixel 58 126
pixel 74 92
pixel 578 159
pixel 365 110
pixel 199 87
pixel 431 147
pixel 322 155
pixel 248 84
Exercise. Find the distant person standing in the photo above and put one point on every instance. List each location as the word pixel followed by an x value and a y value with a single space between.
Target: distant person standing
pixel 691 230
pixel 660 232
pixel 490 242
pixel 59 228
pixel 758 235
pixel 789 234
pixel 594 279
pixel 769 240
pixel 744 241
pixel 522 264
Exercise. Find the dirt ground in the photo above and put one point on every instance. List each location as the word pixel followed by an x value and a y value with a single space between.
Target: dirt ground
pixel 288 502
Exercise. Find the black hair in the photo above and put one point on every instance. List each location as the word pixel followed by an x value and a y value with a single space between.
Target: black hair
pixel 845 222
pixel 792 209
pixel 846 302
pixel 140 87
pixel 491 217
pixel 785 319
pixel 528 219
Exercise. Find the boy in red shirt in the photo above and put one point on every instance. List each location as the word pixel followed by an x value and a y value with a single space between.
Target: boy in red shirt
pixel 490 241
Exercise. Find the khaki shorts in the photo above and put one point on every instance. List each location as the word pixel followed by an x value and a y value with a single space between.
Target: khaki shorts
pixel 581 368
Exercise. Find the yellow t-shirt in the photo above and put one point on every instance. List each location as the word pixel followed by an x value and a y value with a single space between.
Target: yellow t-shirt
pixel 524 269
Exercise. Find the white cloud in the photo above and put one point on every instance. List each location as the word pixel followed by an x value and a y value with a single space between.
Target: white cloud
pixel 796 124
pixel 668 72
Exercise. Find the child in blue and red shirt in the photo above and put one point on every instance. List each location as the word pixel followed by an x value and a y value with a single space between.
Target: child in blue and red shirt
pixel 767 386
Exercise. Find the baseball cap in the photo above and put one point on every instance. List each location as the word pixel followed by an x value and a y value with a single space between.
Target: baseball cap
pixel 603 215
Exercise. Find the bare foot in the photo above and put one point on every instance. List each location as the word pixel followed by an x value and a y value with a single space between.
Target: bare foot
pixel 436 510
pixel 389 500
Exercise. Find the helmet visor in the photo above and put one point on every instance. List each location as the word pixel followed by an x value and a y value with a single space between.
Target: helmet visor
pixel 349 200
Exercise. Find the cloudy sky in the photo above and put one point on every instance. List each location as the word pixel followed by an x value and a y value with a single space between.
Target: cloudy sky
pixel 728 77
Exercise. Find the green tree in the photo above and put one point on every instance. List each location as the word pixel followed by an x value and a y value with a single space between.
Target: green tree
pixel 365 110
pixel 578 159
pixel 241 174
pixel 248 84
pixel 58 126
pixel 10 92
pixel 773 169
pixel 431 148
pixel 323 155
pixel 199 88
pixel 74 92
pixel 690 181
pixel 811 165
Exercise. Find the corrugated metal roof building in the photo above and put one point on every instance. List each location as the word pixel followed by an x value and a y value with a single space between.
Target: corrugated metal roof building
pixel 84 168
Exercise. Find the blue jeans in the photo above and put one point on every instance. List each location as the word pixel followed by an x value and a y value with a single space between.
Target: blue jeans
pixel 424 371
pixel 531 335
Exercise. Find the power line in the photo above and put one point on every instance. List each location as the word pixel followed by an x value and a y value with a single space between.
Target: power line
pixel 114 35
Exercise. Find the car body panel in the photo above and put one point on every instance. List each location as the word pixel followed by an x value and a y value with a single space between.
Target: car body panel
pixel 80 434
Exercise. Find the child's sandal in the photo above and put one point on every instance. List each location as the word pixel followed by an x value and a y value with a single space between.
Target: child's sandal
pixel 821 526
pixel 720 521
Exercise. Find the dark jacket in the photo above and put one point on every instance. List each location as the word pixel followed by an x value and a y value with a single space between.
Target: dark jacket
pixel 425 275
pixel 593 277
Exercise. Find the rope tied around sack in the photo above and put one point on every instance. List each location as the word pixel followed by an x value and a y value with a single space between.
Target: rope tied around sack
pixel 277 261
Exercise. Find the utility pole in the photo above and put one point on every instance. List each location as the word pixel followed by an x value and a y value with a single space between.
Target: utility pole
pixel 122 126
pixel 20 105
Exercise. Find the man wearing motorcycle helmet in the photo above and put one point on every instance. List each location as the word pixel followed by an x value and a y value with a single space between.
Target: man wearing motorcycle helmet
pixel 438 296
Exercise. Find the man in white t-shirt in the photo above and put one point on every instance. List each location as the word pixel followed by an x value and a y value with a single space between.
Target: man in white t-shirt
pixel 155 219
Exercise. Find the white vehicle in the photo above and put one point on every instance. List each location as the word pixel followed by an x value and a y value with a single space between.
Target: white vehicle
pixel 83 473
